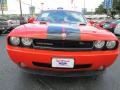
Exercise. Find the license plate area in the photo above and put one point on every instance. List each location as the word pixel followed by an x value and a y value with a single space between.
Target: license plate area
pixel 62 62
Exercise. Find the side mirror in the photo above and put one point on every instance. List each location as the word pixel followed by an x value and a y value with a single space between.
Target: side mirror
pixel 31 19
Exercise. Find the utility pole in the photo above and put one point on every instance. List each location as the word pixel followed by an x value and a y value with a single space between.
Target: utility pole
pixel 31 7
pixel 2 9
pixel 31 2
pixel 20 8
pixel 84 6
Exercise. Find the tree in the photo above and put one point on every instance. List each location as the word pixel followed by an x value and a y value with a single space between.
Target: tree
pixel 116 6
pixel 100 9
pixel 112 12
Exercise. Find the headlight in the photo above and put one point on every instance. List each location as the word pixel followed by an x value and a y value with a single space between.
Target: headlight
pixel 3 27
pixel 27 41
pixel 99 44
pixel 111 44
pixel 15 41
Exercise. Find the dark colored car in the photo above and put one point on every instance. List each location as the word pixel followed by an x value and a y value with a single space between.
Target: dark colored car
pixel 3 25
pixel 8 24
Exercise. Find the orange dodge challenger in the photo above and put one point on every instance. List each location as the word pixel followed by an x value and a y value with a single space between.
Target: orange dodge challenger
pixel 62 43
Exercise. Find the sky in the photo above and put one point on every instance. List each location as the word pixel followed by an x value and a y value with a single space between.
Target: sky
pixel 13 5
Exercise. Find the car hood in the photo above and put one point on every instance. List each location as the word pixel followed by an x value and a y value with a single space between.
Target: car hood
pixel 62 31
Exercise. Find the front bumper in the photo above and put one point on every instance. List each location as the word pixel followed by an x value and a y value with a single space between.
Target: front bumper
pixel 63 74
pixel 94 58
pixel 4 29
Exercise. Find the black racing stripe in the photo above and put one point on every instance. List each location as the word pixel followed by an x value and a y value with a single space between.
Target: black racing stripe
pixel 54 32
pixel 72 33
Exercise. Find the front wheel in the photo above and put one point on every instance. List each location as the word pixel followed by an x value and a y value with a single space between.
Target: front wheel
pixel 100 75
pixel 0 32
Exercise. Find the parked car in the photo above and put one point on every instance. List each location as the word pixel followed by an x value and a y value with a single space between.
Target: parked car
pixel 111 25
pixel 18 20
pixel 22 20
pixel 8 24
pixel 102 23
pixel 117 30
pixel 13 23
pixel 62 43
pixel 3 25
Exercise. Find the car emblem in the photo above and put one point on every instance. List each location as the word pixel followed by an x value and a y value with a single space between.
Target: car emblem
pixel 64 35
pixel 62 62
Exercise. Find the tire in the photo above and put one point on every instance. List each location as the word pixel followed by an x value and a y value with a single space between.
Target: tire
pixel 5 31
pixel 0 32
pixel 100 75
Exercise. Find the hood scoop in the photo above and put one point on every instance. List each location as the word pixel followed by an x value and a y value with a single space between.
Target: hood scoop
pixel 43 22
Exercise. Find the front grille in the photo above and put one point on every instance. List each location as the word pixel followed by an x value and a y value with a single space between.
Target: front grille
pixel 79 66
pixel 62 44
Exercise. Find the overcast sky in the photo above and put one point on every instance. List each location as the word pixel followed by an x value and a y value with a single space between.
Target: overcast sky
pixel 13 5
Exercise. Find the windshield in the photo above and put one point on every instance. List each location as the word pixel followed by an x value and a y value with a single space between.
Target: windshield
pixel 61 16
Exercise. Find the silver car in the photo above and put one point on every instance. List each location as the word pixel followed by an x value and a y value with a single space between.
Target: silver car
pixel 117 29
pixel 3 25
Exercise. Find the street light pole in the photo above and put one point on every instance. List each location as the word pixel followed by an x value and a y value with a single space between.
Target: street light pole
pixel 20 8
pixel 42 6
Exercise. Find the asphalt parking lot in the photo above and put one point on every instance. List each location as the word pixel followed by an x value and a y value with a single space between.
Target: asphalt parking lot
pixel 12 78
